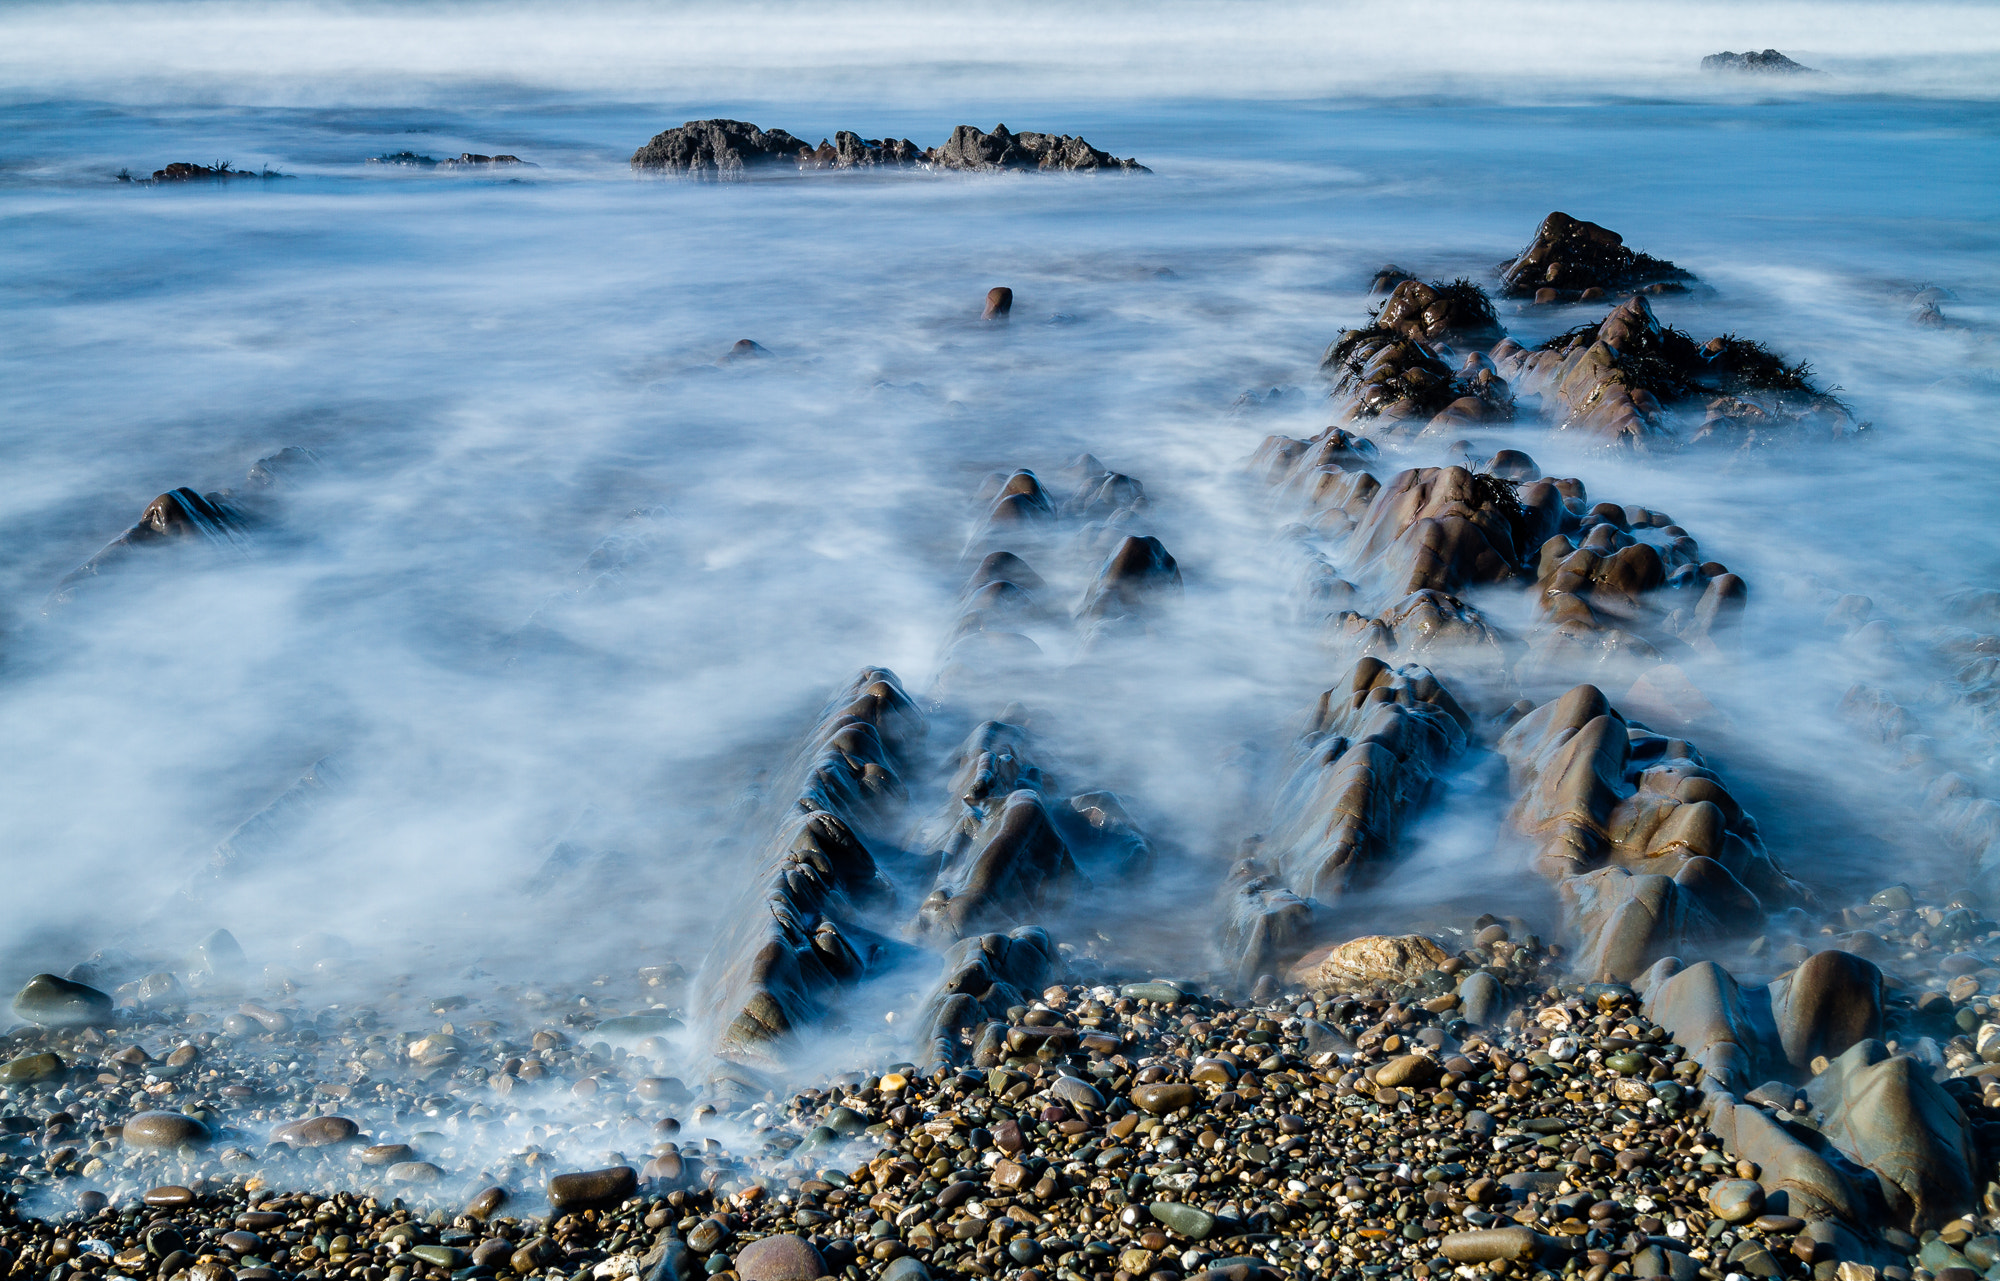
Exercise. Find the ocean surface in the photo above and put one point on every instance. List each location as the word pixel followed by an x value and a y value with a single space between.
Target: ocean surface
pixel 563 588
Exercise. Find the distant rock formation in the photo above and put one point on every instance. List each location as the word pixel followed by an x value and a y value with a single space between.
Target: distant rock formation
pixel 1768 63
pixel 728 148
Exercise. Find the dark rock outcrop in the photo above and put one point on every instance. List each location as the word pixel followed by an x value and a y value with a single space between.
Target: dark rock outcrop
pixel 984 976
pixel 1572 256
pixel 973 148
pixel 850 150
pixel 798 933
pixel 1648 847
pixel 1367 761
pixel 1458 313
pixel 718 149
pixel 1768 63
pixel 1618 379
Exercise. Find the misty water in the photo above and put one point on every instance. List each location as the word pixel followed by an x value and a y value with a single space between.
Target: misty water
pixel 564 589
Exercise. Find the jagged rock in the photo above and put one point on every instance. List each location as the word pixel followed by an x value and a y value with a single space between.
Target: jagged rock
pixel 1403 383
pixel 972 148
pixel 473 160
pixel 1367 761
pixel 718 149
pixel 797 935
pixel 850 150
pixel 1445 529
pixel 1768 63
pixel 1438 630
pixel 1264 927
pixel 1571 255
pixel 1139 572
pixel 1886 1113
pixel 1013 868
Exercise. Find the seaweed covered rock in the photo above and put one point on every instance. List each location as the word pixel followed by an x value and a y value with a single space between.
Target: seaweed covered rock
pixel 1619 379
pixel 1571 256
pixel 1767 63
pixel 1458 313
pixel 798 933
pixel 972 148
pixel 1405 383
pixel 718 149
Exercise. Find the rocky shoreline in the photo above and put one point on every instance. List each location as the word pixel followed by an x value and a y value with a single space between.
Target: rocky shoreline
pixel 1685 1059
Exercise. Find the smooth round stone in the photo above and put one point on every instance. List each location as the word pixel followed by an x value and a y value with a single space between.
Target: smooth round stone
pixel 1156 990
pixel 414 1172
pixel 637 1025
pixel 165 1130
pixel 1163 1097
pixel 1488 1244
pixel 259 1220
pixel 241 1242
pixel 892 1083
pixel 1078 1093
pixel 907 1268
pixel 444 1256
pixel 316 1131
pixel 1779 1223
pixel 30 1068
pixel 1626 1063
pixel 780 1258
pixel 708 1235
pixel 387 1154
pixel 845 1120
pixel 493 1252
pixel 57 1002
pixel 1736 1200
pixel 1190 1221
pixel 90 1202
pixel 168 1196
pixel 583 1188
pixel 1413 1070
pixel 660 1088
pixel 483 1205
pixel 1023 1250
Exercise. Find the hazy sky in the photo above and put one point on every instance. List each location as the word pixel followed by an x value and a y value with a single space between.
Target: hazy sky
pixel 292 52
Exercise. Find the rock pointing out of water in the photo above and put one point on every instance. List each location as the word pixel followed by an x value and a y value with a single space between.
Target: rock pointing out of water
pixel 1768 63
pixel 973 148
pixel 717 148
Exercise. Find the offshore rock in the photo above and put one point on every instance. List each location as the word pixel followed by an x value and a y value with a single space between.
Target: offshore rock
pixel 972 148
pixel 984 976
pixel 1885 1112
pixel 718 149
pixel 1571 255
pixel 850 150
pixel 1768 63
pixel 1458 313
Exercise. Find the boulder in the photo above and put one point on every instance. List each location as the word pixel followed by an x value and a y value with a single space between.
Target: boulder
pixel 1571 255
pixel 1373 959
pixel 1768 63
pixel 1825 1006
pixel 56 1002
pixel 1886 1113
pixel 972 148
pixel 718 149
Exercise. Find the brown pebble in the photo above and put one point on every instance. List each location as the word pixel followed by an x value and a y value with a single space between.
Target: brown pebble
pixel 170 1196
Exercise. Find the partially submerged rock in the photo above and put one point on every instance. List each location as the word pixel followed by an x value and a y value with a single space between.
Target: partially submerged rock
pixel 1366 763
pixel 1373 959
pixel 1619 379
pixel 799 932
pixel 1768 63
pixel 972 148
pixel 1572 257
pixel 718 149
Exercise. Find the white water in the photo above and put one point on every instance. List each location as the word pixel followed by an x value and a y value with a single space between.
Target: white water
pixel 496 370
